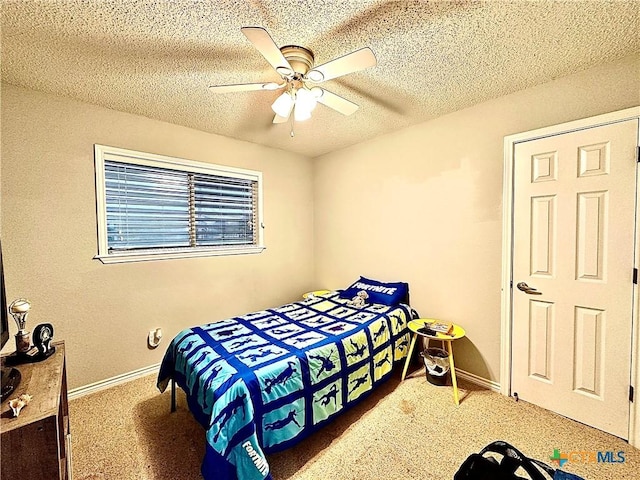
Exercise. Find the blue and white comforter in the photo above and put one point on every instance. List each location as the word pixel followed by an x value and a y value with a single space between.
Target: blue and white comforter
pixel 262 382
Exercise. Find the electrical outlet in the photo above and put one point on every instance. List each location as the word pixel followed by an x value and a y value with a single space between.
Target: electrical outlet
pixel 154 337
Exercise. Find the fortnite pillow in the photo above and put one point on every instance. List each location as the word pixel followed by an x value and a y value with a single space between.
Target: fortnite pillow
pixel 386 293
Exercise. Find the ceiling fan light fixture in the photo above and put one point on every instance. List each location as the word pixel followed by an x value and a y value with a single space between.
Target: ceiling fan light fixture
pixel 301 114
pixel 283 105
pixel 315 76
pixel 317 92
pixel 295 64
pixel 305 102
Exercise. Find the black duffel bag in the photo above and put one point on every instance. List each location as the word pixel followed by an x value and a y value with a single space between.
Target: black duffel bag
pixel 483 466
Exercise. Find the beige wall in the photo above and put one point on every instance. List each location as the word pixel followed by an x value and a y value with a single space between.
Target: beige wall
pixel 424 204
pixel 103 312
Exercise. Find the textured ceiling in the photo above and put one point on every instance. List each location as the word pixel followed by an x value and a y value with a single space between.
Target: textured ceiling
pixel 157 57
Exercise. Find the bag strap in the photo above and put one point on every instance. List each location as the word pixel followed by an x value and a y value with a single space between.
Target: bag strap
pixel 516 458
pixel 543 466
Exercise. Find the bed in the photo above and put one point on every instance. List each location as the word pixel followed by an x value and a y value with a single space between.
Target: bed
pixel 261 382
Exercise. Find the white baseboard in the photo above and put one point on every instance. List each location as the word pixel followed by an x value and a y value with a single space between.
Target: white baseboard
pixel 483 382
pixel 112 382
pixel 127 377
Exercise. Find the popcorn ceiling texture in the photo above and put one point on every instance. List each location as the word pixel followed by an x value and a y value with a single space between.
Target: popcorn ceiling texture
pixel 156 58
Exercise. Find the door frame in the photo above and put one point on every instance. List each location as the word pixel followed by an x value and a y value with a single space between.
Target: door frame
pixel 507 254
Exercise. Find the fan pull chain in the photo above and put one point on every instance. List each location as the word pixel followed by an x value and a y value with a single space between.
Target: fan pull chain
pixel 291 117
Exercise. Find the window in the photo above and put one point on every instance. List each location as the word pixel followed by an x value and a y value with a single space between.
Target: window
pixel 155 207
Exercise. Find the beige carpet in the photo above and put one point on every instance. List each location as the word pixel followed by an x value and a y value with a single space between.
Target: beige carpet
pixel 409 430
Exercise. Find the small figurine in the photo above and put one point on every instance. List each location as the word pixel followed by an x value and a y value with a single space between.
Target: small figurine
pixel 42 336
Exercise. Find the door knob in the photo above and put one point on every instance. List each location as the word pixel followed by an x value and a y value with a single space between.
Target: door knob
pixel 527 289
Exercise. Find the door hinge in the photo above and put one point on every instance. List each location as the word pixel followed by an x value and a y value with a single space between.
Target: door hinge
pixel 635 276
pixel 631 392
pixel 638 159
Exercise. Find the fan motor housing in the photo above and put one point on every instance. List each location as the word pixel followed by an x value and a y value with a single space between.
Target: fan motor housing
pixel 300 58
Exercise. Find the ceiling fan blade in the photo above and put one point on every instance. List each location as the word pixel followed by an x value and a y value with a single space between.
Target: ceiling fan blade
pixel 349 63
pixel 279 119
pixel 245 87
pixel 268 48
pixel 338 103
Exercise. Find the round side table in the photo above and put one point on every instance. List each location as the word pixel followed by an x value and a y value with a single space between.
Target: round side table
pixel 446 339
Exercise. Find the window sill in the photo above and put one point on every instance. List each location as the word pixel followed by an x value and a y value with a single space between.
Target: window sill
pixel 126 257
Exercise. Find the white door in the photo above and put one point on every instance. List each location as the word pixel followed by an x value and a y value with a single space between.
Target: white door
pixel 574 216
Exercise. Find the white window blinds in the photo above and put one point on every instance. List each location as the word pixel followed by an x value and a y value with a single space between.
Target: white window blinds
pixel 153 207
pixel 147 207
pixel 225 210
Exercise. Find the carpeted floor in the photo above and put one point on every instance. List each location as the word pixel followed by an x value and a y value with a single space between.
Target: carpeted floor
pixel 408 430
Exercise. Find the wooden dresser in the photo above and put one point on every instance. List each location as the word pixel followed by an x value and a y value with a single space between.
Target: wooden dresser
pixel 37 444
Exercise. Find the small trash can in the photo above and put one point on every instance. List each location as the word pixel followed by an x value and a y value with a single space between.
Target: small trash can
pixel 436 363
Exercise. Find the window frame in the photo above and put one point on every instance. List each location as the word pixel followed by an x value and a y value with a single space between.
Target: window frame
pixel 104 153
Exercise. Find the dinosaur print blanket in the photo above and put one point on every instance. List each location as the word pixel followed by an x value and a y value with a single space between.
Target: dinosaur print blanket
pixel 261 382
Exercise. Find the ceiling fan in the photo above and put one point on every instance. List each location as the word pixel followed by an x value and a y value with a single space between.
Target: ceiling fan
pixel 300 77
